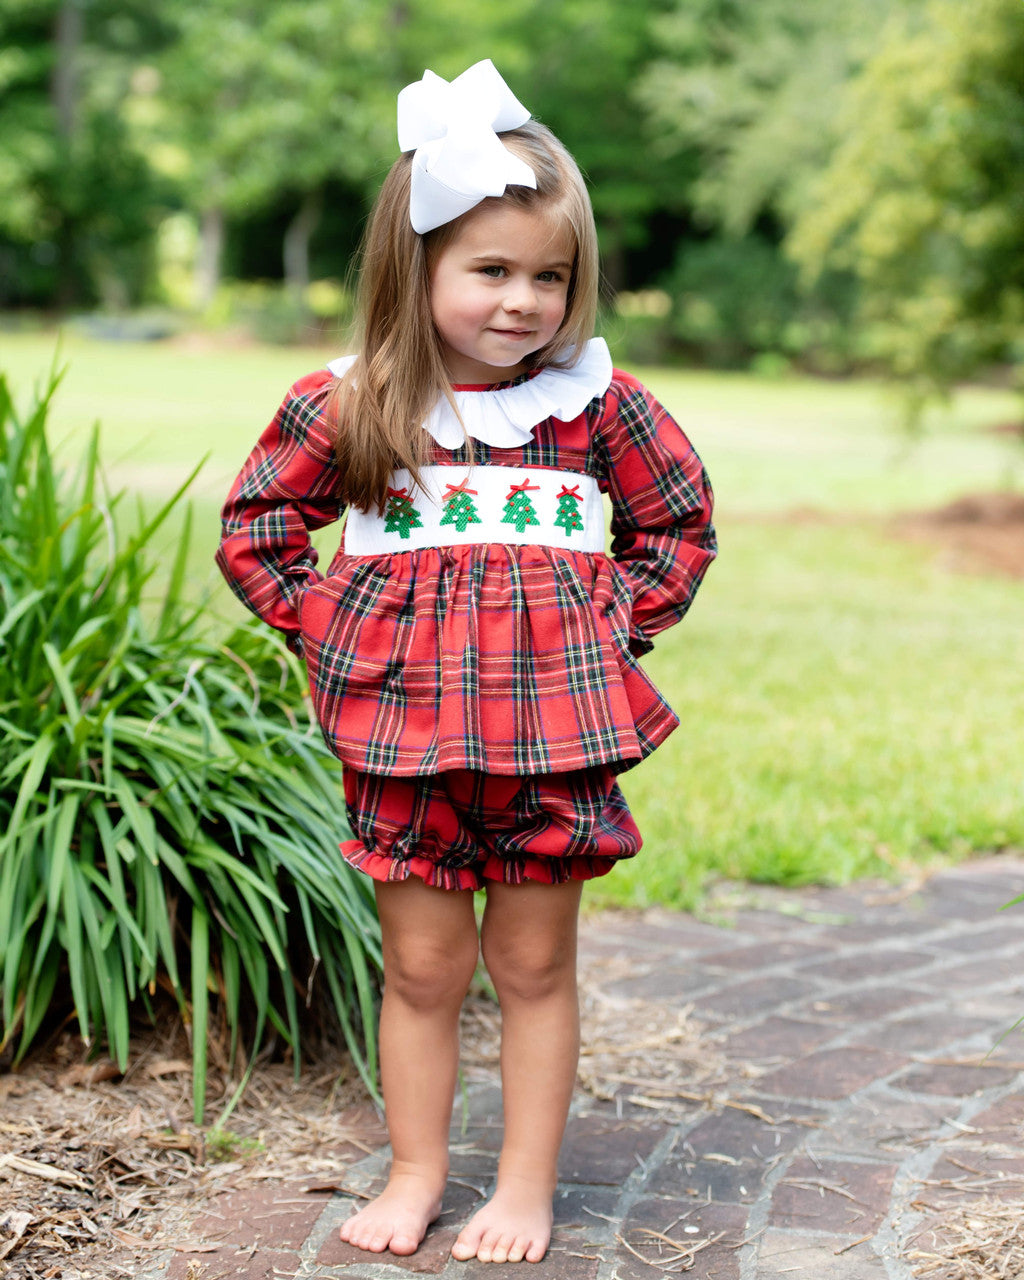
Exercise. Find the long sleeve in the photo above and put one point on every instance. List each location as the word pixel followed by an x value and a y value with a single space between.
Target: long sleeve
pixel 662 536
pixel 287 487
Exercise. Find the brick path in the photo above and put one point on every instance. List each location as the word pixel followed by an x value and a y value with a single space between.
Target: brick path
pixel 860 1101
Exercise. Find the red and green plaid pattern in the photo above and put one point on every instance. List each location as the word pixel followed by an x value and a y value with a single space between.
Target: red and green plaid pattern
pixel 499 658
pixel 286 489
pixel 458 830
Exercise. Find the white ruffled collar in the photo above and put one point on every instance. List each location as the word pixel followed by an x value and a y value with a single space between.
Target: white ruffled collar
pixel 504 417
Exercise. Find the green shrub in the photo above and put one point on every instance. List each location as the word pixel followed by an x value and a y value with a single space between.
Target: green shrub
pixel 736 299
pixel 169 816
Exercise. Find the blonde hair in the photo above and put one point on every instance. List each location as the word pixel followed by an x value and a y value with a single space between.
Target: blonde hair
pixel 399 374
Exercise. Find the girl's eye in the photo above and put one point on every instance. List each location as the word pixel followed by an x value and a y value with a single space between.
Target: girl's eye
pixel 495 273
pixel 550 277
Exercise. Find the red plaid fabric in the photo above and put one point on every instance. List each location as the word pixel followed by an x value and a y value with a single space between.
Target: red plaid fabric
pixel 458 830
pixel 498 658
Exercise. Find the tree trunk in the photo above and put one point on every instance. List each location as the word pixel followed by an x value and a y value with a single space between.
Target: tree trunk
pixel 67 39
pixel 296 244
pixel 613 256
pixel 211 247
pixel 68 33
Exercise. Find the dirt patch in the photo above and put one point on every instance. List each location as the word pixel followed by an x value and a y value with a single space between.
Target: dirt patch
pixel 1013 429
pixel 979 533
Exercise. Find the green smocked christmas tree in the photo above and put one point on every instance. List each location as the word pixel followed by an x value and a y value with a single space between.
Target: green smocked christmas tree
pixel 400 515
pixel 519 510
pixel 459 508
pixel 568 517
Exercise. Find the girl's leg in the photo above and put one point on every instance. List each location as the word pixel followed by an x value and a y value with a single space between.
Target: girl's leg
pixel 430 954
pixel 529 946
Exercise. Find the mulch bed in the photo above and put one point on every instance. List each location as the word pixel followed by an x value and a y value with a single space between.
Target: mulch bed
pixel 99 1169
pixel 981 1239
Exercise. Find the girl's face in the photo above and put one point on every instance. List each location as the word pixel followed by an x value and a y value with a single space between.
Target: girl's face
pixel 498 290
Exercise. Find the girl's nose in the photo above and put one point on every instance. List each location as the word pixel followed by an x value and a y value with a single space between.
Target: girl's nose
pixel 520 296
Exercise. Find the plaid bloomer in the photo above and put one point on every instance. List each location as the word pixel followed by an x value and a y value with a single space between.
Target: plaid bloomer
pixel 459 829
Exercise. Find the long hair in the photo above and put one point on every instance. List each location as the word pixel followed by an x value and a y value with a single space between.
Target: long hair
pixel 399 374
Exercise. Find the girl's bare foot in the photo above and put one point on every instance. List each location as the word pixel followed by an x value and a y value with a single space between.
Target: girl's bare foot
pixel 398 1219
pixel 513 1227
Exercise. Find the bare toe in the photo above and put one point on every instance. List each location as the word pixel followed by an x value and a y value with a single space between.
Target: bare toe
pixel 509 1228
pixel 518 1250
pixel 397 1220
pixel 501 1249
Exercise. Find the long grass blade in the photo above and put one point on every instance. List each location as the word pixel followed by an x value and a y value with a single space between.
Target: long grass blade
pixel 200 962
pixel 36 761
pixel 38 995
pixel 62 679
pixel 15 612
pixel 103 966
pixel 70 934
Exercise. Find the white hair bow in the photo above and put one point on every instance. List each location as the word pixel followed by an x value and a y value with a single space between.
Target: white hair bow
pixel 453 128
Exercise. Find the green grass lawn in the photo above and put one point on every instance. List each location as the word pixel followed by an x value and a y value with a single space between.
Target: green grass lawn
pixel 847 709
pixel 847 706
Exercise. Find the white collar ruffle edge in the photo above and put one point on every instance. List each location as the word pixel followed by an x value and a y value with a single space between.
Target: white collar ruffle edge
pixel 505 417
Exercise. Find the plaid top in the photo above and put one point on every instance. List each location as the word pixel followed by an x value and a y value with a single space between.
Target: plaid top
pixel 508 659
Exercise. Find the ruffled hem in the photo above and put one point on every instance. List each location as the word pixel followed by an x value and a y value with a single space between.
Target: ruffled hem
pixel 493 868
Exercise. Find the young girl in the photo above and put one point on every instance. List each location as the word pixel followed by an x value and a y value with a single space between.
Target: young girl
pixel 472 650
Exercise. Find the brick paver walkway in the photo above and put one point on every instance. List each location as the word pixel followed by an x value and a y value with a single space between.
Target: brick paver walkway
pixel 867 1090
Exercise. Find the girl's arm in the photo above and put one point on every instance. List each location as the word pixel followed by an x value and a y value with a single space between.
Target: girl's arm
pixel 286 488
pixel 662 536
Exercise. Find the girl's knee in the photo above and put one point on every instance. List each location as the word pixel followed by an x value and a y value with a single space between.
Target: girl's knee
pixel 426 974
pixel 530 971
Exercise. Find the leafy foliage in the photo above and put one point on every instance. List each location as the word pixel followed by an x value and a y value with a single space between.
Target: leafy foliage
pixel 152 152
pixel 923 201
pixel 81 198
pixel 751 89
pixel 166 821
pixel 255 101
pixel 590 100
pixel 747 95
pixel 733 298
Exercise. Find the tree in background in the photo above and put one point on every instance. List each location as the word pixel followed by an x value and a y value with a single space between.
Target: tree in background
pixel 260 103
pixel 80 202
pixel 749 93
pixel 291 106
pixel 703 127
pixel 923 200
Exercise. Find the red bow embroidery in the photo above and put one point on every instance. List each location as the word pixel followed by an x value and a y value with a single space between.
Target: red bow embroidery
pixel 453 489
